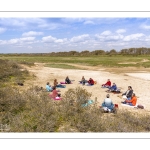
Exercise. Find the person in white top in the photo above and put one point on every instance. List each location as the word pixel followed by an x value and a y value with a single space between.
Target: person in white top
pixel 108 104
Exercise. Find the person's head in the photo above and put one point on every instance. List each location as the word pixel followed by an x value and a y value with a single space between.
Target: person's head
pixel 55 80
pixel 107 95
pixel 108 80
pixel 129 87
pixel 47 83
pixel 133 94
pixel 114 84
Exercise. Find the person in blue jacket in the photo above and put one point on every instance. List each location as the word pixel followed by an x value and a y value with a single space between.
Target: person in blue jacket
pixel 48 87
pixel 113 87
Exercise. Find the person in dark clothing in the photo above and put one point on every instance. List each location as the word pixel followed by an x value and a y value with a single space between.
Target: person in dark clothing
pixel 67 80
pixel 128 93
pixel 83 81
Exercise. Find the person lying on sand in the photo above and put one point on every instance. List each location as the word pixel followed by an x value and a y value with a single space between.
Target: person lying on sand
pixel 128 93
pixel 131 102
pixel 48 87
pixel 107 84
pixel 67 80
pixel 108 105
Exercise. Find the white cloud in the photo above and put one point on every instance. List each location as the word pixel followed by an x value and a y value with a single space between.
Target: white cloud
pixel 106 33
pixel 2 42
pixel 89 22
pixel 121 31
pixel 81 38
pixel 131 37
pixel 21 40
pixel 50 39
pixel 32 33
pixel 61 40
pixel 109 37
pixel 145 27
pixel 2 30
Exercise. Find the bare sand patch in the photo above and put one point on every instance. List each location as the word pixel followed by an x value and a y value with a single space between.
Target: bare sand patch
pixel 141 75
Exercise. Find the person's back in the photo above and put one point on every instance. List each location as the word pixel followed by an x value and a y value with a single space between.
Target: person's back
pixel 108 103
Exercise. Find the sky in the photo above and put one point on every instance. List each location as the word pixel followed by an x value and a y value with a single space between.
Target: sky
pixel 44 35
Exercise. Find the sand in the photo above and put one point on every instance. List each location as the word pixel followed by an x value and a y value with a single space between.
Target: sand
pixel 139 82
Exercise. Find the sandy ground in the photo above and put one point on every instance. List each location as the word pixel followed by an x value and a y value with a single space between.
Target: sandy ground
pixel 139 81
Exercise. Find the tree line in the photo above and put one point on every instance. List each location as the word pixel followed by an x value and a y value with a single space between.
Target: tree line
pixel 127 51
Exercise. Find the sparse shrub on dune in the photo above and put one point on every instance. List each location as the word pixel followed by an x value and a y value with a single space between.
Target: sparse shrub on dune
pixel 34 111
pixel 11 71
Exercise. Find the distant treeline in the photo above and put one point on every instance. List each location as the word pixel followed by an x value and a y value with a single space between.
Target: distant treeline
pixel 129 51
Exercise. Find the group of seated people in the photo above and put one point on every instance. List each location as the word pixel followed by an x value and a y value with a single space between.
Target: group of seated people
pixel 112 88
pixel 128 96
pixel 129 99
pixel 88 82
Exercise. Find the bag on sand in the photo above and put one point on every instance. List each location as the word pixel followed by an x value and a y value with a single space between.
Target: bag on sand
pixel 140 106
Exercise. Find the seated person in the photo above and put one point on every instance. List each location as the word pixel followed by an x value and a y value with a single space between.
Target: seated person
pixel 67 80
pixel 91 81
pixel 107 84
pixel 83 81
pixel 54 93
pixel 48 87
pixel 113 88
pixel 131 102
pixel 108 104
pixel 58 85
pixel 128 93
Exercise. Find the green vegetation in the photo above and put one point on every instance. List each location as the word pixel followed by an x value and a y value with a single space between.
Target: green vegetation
pixel 11 72
pixel 34 111
pixel 104 60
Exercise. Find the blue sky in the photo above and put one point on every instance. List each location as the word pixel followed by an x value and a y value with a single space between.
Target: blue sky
pixel 43 35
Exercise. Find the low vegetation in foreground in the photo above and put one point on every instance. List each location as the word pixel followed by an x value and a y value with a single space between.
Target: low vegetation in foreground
pixel 32 110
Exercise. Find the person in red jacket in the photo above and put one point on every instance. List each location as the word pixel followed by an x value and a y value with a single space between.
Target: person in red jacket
pixel 91 81
pixel 107 84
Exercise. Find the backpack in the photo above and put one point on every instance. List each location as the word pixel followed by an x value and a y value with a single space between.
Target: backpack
pixel 140 106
